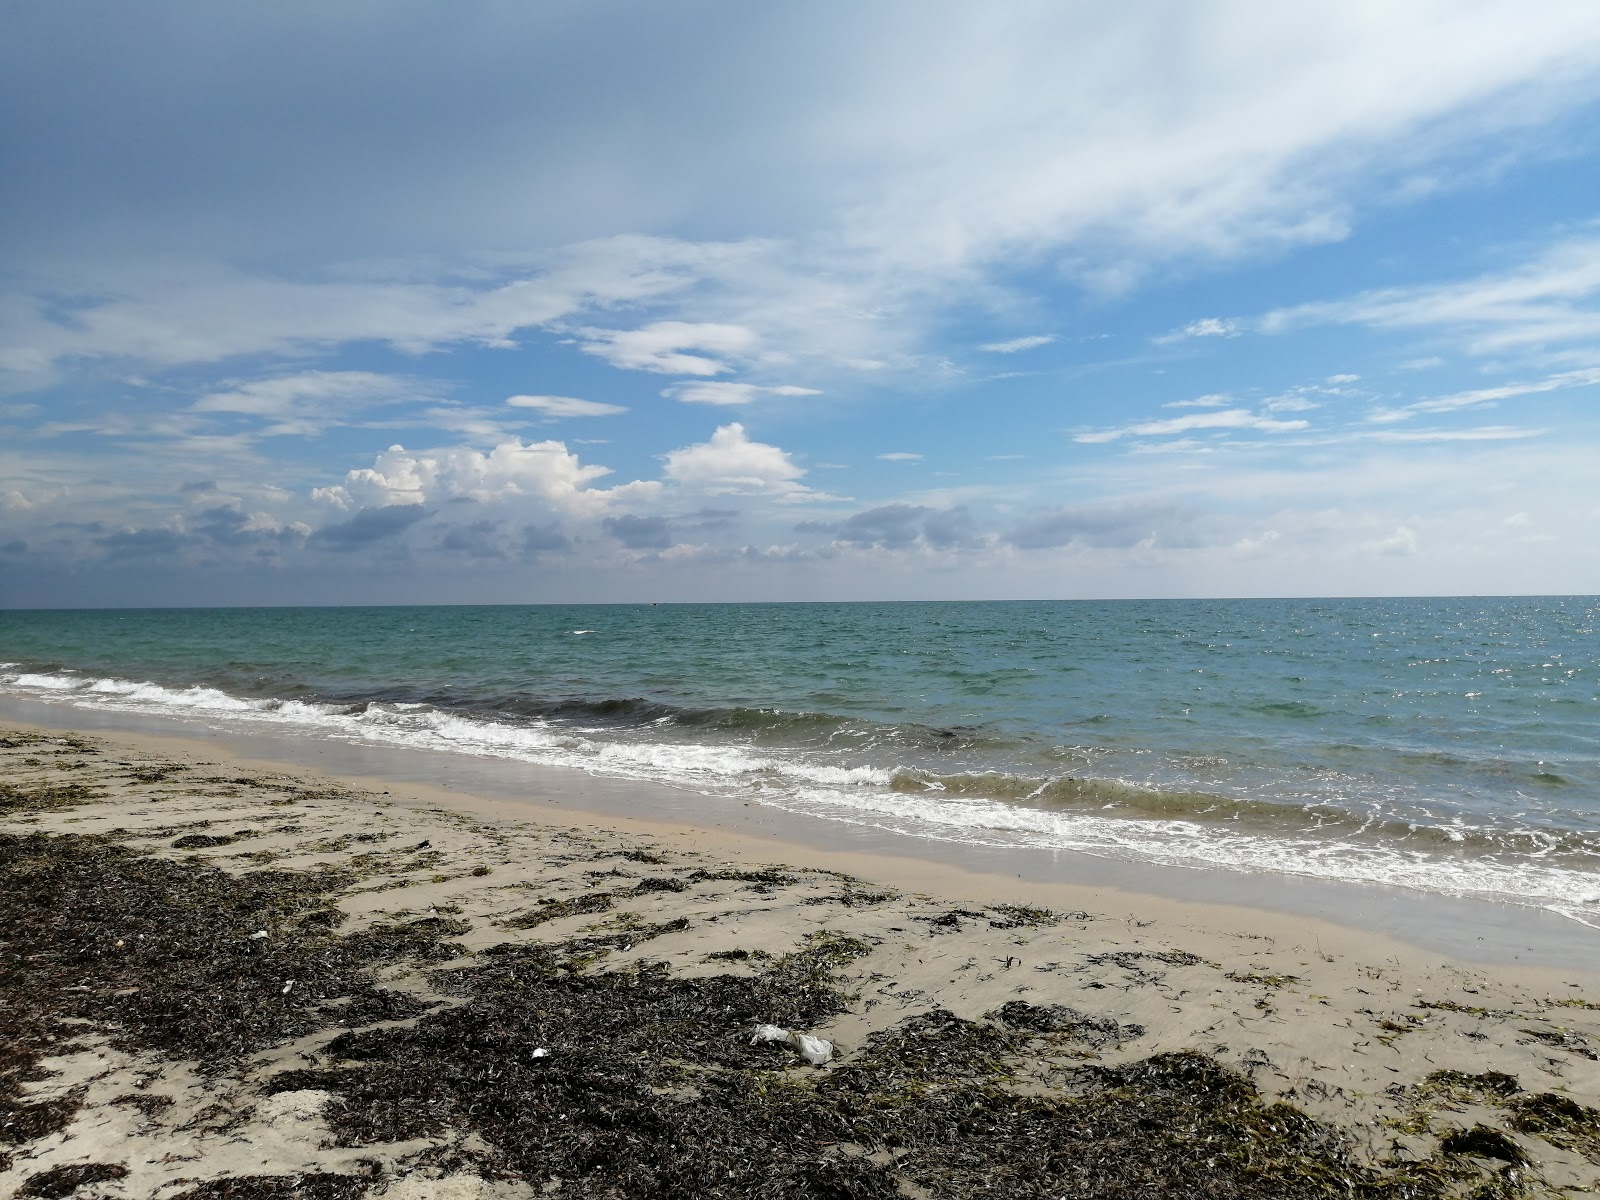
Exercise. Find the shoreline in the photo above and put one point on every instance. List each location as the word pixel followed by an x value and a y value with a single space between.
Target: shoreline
pixel 1471 929
pixel 648 952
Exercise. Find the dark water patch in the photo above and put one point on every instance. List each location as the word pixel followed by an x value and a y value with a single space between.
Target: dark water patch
pixel 1295 710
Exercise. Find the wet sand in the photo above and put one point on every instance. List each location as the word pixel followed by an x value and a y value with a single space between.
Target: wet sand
pixel 355 977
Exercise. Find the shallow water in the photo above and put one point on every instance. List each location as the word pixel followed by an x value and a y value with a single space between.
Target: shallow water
pixel 1445 745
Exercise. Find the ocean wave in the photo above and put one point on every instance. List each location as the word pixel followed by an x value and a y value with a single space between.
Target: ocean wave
pixel 635 738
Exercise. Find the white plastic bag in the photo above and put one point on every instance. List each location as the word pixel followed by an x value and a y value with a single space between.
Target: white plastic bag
pixel 816 1051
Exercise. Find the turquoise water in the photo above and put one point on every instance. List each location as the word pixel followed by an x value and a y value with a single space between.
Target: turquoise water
pixel 1448 745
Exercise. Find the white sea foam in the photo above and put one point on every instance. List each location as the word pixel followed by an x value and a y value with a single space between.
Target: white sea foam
pixel 859 795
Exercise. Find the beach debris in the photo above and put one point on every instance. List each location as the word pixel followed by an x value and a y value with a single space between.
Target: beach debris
pixel 816 1051
pixel 254 937
pixel 541 1052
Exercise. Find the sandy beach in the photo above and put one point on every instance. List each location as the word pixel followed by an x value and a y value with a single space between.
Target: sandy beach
pixel 222 978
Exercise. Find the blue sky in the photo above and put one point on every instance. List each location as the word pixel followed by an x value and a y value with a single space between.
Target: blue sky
pixel 404 302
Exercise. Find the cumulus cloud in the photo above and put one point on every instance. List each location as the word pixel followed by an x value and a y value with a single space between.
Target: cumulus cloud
pixel 231 525
pixel 731 464
pixel 1107 526
pixel 640 533
pixel 566 406
pixel 1211 400
pixel 901 526
pixel 900 456
pixel 142 543
pixel 544 474
pixel 369 525
pixel 724 393
pixel 1017 344
pixel 1233 418
pixel 663 346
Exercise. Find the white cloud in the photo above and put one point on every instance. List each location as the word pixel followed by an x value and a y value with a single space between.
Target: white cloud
pixel 1338 379
pixel 934 152
pixel 566 406
pixel 1021 343
pixel 661 346
pixel 1289 403
pixel 900 456
pixel 309 401
pixel 187 313
pixel 729 394
pixel 1205 327
pixel 1402 542
pixel 1487 397
pixel 1212 400
pixel 542 475
pixel 731 464
pixel 1233 418
pixel 1548 301
pixel 1484 433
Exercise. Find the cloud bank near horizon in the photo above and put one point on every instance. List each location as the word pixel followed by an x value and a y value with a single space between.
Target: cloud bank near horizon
pixel 1045 300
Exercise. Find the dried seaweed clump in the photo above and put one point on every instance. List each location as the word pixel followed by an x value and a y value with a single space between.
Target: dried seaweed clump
pixel 64 1180
pixel 1016 916
pixel 39 797
pixel 552 909
pixel 1559 1120
pixel 1060 1019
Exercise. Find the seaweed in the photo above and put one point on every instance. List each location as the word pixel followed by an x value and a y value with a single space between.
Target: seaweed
pixel 169 956
pixel 1016 916
pixel 63 1181
pixel 1129 960
pixel 1265 980
pixel 1461 1087
pixel 767 875
pixel 554 910
pixel 204 841
pixel 1563 1039
pixel 1483 1142
pixel 314 1185
pixel 630 1083
pixel 1559 1120
pixel 1058 1018
pixel 736 955
pixel 40 797
pixel 1471 1010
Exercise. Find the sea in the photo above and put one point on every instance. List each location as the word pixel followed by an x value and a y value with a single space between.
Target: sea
pixel 1447 746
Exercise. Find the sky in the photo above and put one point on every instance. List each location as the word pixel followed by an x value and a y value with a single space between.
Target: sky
pixel 400 302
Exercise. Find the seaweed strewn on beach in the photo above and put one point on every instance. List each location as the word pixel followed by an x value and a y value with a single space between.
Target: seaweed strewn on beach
pixel 182 959
pixel 566 1062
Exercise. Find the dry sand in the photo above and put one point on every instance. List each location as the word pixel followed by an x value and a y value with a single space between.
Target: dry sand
pixel 1419 1075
